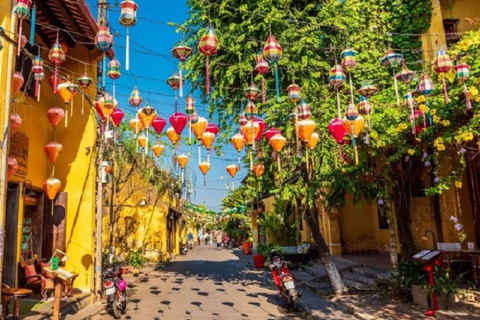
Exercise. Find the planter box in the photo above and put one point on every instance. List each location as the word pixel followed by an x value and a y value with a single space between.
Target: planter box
pixel 420 297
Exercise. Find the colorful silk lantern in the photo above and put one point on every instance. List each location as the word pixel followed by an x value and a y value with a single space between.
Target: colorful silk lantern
pixel 147 115
pixel 174 81
pixel 242 120
pixel 213 128
pixel 232 170
pixel 182 160
pixel 172 135
pixel 293 91
pixel 106 104
pixel 135 99
pixel 12 165
pixel 250 132
pixel 67 92
pixel 252 92
pixel 261 128
pixel 199 127
pixel 277 142
pixel 53 149
pixel 55 116
pixel 157 149
pixel 22 11
pixel 15 123
pixel 258 169
pixel 304 110
pixel 113 71
pixel 158 124
pixel 193 118
pixel 336 129
pixel 207 139
pixel 238 142
pixel 367 90
pixel 136 125
pixel 305 129
pixel 261 66
pixel 181 53
pixel 38 77
pixel 84 81
pixel 56 55
pixel 251 111
pixel 37 69
pixel 313 141
pixel 17 82
pixel 425 87
pixel 52 187
pixel 178 121
pixel 204 167
pixel 128 18
pixel 462 72
pixel 337 76
pixel 189 105
pixel 142 141
pixel 354 125
pixel 392 60
pixel 364 106
pixel 443 64
pixel 405 75
pixel 104 41
pixel 272 52
pixel 349 64
pixel 409 102
pixel 271 132
pixel 117 117
pixel 208 45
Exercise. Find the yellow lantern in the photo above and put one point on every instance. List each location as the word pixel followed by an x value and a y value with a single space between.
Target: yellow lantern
pixel 157 149
pixel 136 125
pixel 258 169
pixel 146 115
pixel 182 160
pixel 355 126
pixel 142 141
pixel 313 141
pixel 232 170
pixel 67 91
pixel 172 135
pixel 199 127
pixel 305 129
pixel 207 139
pixel 250 131
pixel 277 142
pixel 238 142
pixel 204 167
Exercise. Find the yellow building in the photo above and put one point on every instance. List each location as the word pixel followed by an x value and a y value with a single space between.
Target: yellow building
pixel 32 228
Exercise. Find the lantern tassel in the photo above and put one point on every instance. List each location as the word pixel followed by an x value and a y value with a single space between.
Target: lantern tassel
pixel 277 82
pixel 233 185
pixel 19 37
pixel 207 77
pixel 413 114
pixel 55 80
pixel 181 81
pixel 279 164
pixel 38 91
pixel 83 104
pixel 146 145
pixel 467 99
pixel 32 25
pixel 127 50
pixel 204 182
pixel 339 107
pixel 263 89
pixel 354 145
pixel 37 83
pixel 71 108
pixel 430 120
pixel 351 88
pixel 340 153
pixel 445 91
pixel 239 161
pixel 251 159
pixel 104 71
pixel 306 158
pixel 66 116
pixel 395 83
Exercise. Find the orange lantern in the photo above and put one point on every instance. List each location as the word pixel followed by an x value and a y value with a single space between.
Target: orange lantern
pixel 238 142
pixel 108 169
pixel 355 126
pixel 250 131
pixel 232 170
pixel 17 82
pixel 313 141
pixel 52 149
pixel 55 116
pixel 305 129
pixel 15 123
pixel 157 149
pixel 172 135
pixel 106 105
pixel 207 139
pixel 259 169
pixel 146 115
pixel 52 186
pixel 136 125
pixel 182 160
pixel 67 91
pixel 204 167
pixel 142 141
pixel 199 127
pixel 277 142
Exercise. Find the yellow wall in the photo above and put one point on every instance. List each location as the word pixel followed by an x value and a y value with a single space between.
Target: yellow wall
pixel 461 9
pixel 434 37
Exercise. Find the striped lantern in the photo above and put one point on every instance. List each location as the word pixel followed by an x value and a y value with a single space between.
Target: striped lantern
pixel 405 75
pixel 272 52
pixel 113 71
pixel 351 113
pixel 348 60
pixel 337 76
pixel 189 105
pixel 174 81
pixel 294 93
pixel 193 118
pixel 22 11
pixel 128 18
pixel 37 69
pixel 208 45
pixel 251 93
pixel 251 111
pixel 443 64
pixel 84 81
pixel 56 55
pixel 367 90
pixel 364 106
pixel 181 53
pixel 261 66
pixel 462 72
pixel 393 60
pixel 293 116
pixel 104 41
pixel 135 99
pixel 242 120
pixel 304 110
pixel 425 85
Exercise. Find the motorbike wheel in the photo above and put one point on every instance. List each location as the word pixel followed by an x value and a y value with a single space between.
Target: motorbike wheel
pixel 124 302
pixel 116 307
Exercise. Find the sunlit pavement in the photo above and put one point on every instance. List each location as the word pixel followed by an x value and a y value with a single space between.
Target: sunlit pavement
pixel 206 284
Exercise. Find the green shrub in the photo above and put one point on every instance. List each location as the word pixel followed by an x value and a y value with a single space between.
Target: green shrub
pixel 136 259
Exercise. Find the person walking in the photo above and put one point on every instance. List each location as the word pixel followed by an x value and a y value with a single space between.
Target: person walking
pixel 225 240
pixel 219 240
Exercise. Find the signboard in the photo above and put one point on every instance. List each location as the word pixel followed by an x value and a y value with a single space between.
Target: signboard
pixel 19 151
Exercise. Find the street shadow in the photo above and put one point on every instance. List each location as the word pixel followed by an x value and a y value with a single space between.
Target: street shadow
pixel 203 293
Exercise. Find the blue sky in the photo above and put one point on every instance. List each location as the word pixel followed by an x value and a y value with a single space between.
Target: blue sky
pixel 151 63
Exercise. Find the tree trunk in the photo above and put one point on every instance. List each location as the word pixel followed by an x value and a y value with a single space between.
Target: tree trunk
pixel 393 239
pixel 324 252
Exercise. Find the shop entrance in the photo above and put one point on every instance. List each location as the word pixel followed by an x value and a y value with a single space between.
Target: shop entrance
pixel 11 235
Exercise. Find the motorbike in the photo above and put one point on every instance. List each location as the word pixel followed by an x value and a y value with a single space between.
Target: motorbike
pixel 115 290
pixel 284 282
pixel 183 249
pixel 190 244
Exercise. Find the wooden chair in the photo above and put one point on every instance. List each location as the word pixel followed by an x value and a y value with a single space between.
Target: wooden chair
pixel 453 258
pixel 5 301
pixel 34 281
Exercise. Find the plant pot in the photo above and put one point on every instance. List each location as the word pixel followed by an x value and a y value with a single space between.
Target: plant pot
pixel 246 247
pixel 258 261
pixel 123 270
pixel 420 295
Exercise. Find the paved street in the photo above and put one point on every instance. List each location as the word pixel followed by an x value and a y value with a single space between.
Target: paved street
pixel 206 284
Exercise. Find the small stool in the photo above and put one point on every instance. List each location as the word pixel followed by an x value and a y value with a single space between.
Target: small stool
pixel 17 294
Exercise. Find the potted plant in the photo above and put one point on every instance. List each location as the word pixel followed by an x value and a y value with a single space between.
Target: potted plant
pixel 410 282
pixel 447 287
pixel 136 259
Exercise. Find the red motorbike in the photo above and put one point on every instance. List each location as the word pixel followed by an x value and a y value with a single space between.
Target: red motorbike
pixel 284 281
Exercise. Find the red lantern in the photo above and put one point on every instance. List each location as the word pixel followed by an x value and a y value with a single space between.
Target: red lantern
pixel 55 116
pixel 158 124
pixel 117 117
pixel 52 149
pixel 17 82
pixel 178 121
pixel 15 123
pixel 271 132
pixel 52 186
pixel 337 130
pixel 211 127
pixel 262 125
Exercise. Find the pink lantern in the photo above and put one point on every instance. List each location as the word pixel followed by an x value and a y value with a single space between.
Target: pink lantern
pixel 12 167
pixel 262 125
pixel 158 124
pixel 337 130
pixel 178 121
pixel 271 132
pixel 117 117
pixel 211 127
pixel 15 123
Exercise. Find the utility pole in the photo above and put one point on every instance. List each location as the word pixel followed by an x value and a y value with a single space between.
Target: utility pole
pixel 102 16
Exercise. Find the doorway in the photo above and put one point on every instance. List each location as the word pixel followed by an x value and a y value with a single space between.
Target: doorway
pixel 11 235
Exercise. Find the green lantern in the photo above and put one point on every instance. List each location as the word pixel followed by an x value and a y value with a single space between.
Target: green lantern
pixel 235 210
pixel 242 209
pixel 229 211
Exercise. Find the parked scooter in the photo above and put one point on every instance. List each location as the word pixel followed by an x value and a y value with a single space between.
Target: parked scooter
pixel 284 281
pixel 190 244
pixel 115 289
pixel 183 249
